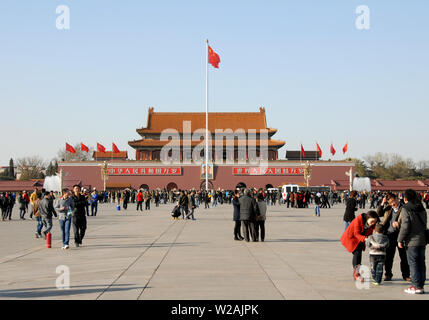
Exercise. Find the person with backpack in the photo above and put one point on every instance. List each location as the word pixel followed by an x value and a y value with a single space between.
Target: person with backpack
pixel 412 237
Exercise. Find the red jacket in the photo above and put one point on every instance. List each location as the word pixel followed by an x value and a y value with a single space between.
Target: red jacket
pixel 355 233
pixel 139 197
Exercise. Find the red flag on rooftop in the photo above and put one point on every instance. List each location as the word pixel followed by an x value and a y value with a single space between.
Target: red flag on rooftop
pixel 69 148
pixel 302 151
pixel 213 58
pixel 100 148
pixel 318 149
pixel 115 148
pixel 345 147
pixel 84 147
pixel 332 150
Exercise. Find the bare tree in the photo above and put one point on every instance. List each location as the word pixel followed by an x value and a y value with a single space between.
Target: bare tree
pixel 31 168
pixel 64 155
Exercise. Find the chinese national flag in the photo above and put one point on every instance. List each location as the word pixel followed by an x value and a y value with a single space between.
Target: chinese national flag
pixel 84 147
pixel 115 148
pixel 100 148
pixel 332 150
pixel 69 148
pixel 213 58
pixel 345 147
pixel 303 152
pixel 318 149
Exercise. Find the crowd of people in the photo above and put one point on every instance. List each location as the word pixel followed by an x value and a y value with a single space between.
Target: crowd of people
pixel 399 222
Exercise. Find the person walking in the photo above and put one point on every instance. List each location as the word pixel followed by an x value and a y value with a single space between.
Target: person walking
pixel 260 219
pixel 22 205
pixel 46 210
pixel 36 214
pixel 351 208
pixel 94 202
pixel 139 199
pixel 184 203
pixel 192 205
pixel 65 206
pixel 33 198
pixel 126 197
pixel 147 199
pixel 317 204
pixel 78 215
pixel 354 237
pixel 390 209
pixel 236 216
pixel 412 237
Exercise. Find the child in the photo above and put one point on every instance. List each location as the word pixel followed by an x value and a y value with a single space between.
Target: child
pixel 377 244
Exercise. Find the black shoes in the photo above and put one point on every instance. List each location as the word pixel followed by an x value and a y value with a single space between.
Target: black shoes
pixel 238 239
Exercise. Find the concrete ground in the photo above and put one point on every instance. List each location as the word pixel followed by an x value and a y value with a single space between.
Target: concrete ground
pixel 147 255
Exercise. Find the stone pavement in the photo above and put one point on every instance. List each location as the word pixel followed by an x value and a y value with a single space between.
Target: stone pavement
pixel 147 255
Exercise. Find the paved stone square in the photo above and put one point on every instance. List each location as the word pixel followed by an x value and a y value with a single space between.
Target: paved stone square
pixel 148 255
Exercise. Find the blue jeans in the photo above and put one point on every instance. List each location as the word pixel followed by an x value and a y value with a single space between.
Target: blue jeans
pixel 347 224
pixel 94 206
pixel 65 230
pixel 317 211
pixel 39 225
pixel 377 265
pixel 416 260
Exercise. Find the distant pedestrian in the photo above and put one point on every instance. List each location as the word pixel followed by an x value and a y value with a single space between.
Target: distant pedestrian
pixel 139 199
pixel 351 208
pixel 260 219
pixel 236 216
pixel 94 202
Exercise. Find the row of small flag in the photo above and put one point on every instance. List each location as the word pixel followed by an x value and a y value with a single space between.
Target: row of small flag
pixel 83 147
pixel 333 151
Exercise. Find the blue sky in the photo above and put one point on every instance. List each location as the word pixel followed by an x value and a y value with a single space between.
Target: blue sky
pixel 318 77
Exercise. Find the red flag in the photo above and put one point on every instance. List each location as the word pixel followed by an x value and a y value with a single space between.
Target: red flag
pixel 69 148
pixel 332 150
pixel 318 149
pixel 213 58
pixel 303 152
pixel 115 148
pixel 100 148
pixel 345 147
pixel 84 147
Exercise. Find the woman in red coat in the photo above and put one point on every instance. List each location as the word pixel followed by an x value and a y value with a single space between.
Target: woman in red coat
pixel 353 239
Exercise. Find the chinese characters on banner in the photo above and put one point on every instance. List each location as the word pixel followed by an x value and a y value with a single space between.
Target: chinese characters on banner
pixel 272 171
pixel 146 171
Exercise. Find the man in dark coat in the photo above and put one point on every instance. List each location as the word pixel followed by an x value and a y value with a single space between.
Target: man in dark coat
pixel 247 215
pixel 78 215
pixel 351 208
pixel 236 216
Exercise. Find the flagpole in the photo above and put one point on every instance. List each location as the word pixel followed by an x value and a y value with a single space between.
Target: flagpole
pixel 207 114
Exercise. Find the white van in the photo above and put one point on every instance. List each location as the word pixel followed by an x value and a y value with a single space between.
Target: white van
pixel 289 188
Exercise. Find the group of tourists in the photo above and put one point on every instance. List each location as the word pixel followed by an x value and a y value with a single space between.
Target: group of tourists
pixel 249 214
pixel 70 208
pixel 399 222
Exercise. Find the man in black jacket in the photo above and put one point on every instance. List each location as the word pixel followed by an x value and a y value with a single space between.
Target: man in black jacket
pixel 78 217
pixel 351 207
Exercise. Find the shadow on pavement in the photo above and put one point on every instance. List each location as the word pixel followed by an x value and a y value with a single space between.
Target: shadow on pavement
pixel 54 292
pixel 303 240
